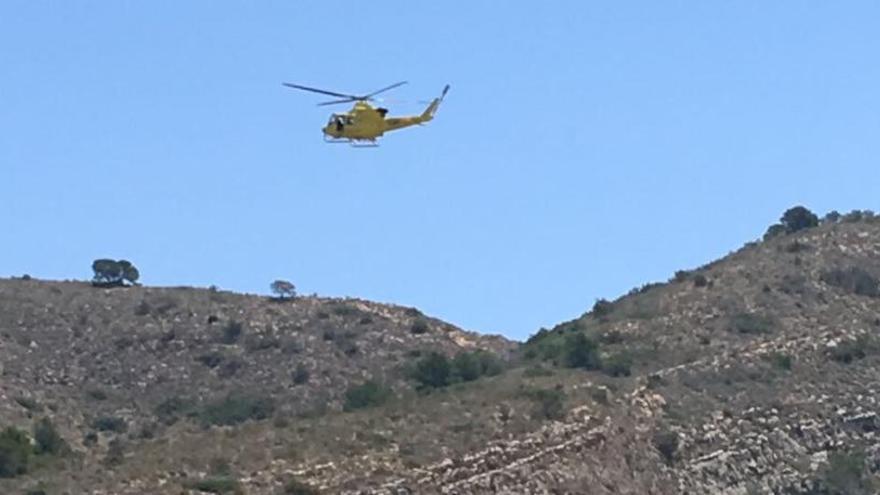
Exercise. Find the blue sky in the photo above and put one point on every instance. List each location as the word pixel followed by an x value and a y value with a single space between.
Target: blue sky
pixel 585 147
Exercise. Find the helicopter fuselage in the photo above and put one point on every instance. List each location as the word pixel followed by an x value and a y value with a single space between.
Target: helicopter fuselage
pixel 366 123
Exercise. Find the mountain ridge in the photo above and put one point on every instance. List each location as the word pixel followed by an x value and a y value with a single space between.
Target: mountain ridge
pixel 755 373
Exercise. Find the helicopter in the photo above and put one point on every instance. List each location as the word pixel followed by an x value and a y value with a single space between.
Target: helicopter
pixel 364 123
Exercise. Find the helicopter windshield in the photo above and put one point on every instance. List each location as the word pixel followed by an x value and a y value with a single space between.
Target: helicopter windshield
pixel 340 119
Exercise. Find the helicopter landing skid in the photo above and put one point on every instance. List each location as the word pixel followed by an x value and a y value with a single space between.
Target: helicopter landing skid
pixel 353 142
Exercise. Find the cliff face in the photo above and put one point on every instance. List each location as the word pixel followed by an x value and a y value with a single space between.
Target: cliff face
pixel 757 373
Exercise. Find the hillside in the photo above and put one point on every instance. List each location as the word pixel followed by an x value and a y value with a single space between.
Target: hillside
pixel 757 373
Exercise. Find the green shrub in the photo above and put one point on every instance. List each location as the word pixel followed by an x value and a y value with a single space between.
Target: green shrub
pixel 433 371
pixel 232 332
pixel 581 352
pixel 237 408
pixel 30 404
pixel 15 452
pixel 666 442
pixel 172 408
pixel 546 344
pixel 368 394
pixel 602 308
pixel 832 216
pixel 700 280
pixel 853 279
pixel 751 323
pixel 780 361
pixel 798 218
pixel 300 374
pixel 468 366
pixel 775 230
pixel 344 309
pixel 845 475
pixel 46 438
pixel 618 364
pixel 110 423
pixel 218 466
pixel 96 394
pixel 90 439
pixel 549 403
pixel 115 452
pixel 295 487
pixel 419 327
pixel 537 370
pixel 852 350
pixel 210 359
pixel 221 485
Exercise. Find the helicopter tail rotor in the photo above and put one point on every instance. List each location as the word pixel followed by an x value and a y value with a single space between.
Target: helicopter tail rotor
pixel 429 112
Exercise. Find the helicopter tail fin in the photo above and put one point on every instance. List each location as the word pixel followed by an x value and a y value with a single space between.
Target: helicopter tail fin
pixel 429 112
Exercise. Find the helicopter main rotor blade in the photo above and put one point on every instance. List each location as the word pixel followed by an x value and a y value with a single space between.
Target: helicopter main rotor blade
pixel 336 102
pixel 321 91
pixel 374 93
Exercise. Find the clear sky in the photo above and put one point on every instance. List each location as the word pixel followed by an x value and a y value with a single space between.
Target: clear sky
pixel 584 148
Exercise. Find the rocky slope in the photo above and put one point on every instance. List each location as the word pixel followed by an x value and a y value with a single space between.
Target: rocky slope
pixel 758 373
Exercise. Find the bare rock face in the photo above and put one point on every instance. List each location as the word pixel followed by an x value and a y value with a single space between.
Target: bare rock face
pixel 757 373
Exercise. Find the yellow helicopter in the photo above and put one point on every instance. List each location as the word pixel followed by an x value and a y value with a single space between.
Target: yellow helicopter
pixel 364 123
